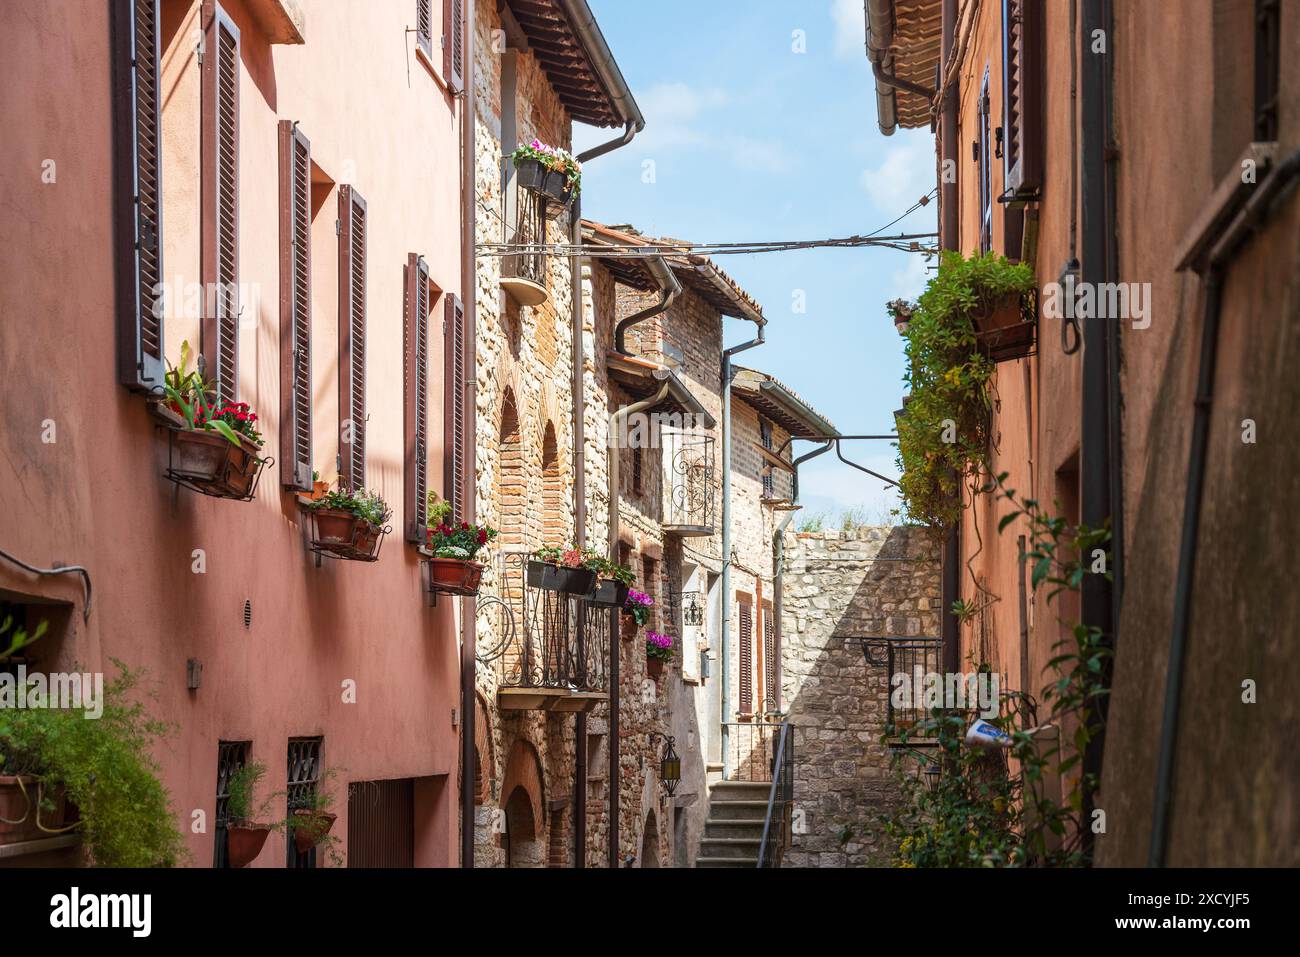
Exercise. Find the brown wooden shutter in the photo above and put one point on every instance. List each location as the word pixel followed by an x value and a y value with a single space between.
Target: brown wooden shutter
pixel 769 659
pixel 416 417
pixel 137 137
pixel 424 26
pixel 456 406
pixel 352 338
pixel 219 241
pixel 295 308
pixel 453 44
pixel 1023 78
pixel 746 658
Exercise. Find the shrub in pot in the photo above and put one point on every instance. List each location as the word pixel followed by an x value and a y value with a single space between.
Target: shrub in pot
pixel 311 816
pixel 562 570
pixel 452 569
pixel 548 171
pixel 349 523
pixel 658 652
pixel 245 837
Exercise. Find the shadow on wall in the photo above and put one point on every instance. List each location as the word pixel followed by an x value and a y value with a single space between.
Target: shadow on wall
pixel 841 586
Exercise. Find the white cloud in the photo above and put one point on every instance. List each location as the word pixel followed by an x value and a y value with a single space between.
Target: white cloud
pixel 670 103
pixel 850 28
pixel 765 156
pixel 904 175
pixel 909 281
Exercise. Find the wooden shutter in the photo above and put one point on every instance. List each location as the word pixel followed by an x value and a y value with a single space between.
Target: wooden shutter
pixel 1023 78
pixel 416 417
pixel 352 338
pixel 295 308
pixel 138 194
pixel 453 44
pixel 746 658
pixel 456 406
pixel 424 26
pixel 219 242
pixel 769 659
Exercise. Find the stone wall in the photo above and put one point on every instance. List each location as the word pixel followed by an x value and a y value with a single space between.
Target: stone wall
pixel 868 582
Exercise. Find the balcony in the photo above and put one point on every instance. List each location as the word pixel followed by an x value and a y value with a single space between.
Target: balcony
pixel 689 484
pixel 523 274
pixel 552 649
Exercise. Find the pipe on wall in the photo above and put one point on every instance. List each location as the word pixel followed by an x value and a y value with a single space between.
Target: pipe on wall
pixel 669 290
pixel 950 239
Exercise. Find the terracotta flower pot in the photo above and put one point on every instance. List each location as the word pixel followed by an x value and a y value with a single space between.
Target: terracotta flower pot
pixel 571 581
pixel 244 841
pixel 310 827
pixel 212 464
pixel 334 526
pixel 19 820
pixel 1002 330
pixel 454 576
pixel 654 667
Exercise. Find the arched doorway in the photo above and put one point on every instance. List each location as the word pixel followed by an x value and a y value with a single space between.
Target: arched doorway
pixel 650 842
pixel 522 842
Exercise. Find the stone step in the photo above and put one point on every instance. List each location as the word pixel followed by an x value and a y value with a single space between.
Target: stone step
pixel 726 861
pixel 730 847
pixel 729 789
pixel 716 828
pixel 738 810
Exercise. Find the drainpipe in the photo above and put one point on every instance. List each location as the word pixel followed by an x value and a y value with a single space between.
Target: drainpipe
pixel 610 76
pixel 880 37
pixel 1252 217
pixel 669 290
pixel 469 283
pixel 727 375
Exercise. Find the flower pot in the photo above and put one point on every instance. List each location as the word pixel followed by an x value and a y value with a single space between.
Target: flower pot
pixel 531 175
pixel 571 581
pixel 210 463
pixel 19 799
pixel 609 593
pixel 343 534
pixel 244 841
pixel 319 490
pixel 654 667
pixel 309 827
pixel 1002 331
pixel 454 576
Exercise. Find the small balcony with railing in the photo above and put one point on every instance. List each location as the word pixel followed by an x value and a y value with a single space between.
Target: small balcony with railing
pixel 690 486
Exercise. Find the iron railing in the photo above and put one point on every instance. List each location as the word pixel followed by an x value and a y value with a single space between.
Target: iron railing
pixel 750 750
pixel 689 486
pixel 777 824
pixel 527 229
pixel 915 657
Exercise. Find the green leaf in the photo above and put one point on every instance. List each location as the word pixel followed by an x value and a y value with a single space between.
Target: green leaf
pixel 224 429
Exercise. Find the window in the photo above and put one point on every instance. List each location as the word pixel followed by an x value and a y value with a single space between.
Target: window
pixel 453 44
pixel 638 477
pixel 1023 78
pixel 139 194
pixel 352 338
pixel 424 26
pixel 231 756
pixel 1267 67
pixel 458 405
pixel 650 585
pixel 219 240
pixel 416 417
pixel 295 307
pixel 769 480
pixel 982 157
pixel 303 775
pixel 746 656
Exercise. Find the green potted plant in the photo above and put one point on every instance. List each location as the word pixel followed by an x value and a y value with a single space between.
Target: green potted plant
pixel 637 606
pixel 28 810
pixel 560 569
pixel 348 524
pixel 613 581
pixel 658 652
pixel 452 568
pixel 311 815
pixel 213 447
pixel 548 171
pixel 244 837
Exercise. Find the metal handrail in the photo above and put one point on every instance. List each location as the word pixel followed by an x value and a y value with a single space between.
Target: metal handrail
pixel 780 795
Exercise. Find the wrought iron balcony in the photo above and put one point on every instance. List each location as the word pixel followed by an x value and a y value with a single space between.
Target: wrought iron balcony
pixel 911 656
pixel 552 653
pixel 689 484
pixel 523 223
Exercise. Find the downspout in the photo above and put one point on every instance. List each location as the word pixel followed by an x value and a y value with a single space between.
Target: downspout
pixel 602 60
pixel 1251 218
pixel 669 290
pixel 880 37
pixel 727 375
pixel 469 283
pixel 950 239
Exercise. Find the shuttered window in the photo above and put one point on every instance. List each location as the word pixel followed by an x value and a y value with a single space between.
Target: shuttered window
pixel 456 407
pixel 1023 79
pixel 352 338
pixel 770 702
pixel 220 201
pixel 746 658
pixel 424 26
pixel 138 194
pixel 416 417
pixel 453 44
pixel 295 308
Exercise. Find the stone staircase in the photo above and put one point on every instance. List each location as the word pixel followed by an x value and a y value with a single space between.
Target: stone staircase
pixel 734 828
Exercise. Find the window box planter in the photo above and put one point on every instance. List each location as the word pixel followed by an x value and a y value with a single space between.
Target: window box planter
pixel 209 463
pixel 1004 329
pixel 454 576
pixel 609 593
pixel 551 186
pixel 310 827
pixel 20 797
pixel 244 841
pixel 571 581
pixel 336 533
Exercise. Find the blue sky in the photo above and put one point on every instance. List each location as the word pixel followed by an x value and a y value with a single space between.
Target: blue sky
pixel 751 140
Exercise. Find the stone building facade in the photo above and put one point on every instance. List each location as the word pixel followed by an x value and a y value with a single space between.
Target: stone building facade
pixel 838 587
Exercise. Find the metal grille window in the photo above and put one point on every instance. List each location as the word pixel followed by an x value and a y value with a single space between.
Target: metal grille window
pixel 650 585
pixel 352 338
pixel 416 417
pixel 139 192
pixel 424 26
pixel 769 480
pixel 231 756
pixel 1268 41
pixel 304 769
pixel 453 44
pixel 638 469
pixel 220 200
pixel 295 307
pixel 457 407
pixel 746 658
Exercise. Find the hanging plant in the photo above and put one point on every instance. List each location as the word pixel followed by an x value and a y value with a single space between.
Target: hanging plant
pixel 943 431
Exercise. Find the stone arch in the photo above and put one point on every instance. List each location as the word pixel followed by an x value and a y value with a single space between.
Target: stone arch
pixel 484 760
pixel 649 856
pixel 521 800
pixel 511 478
pixel 554 526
